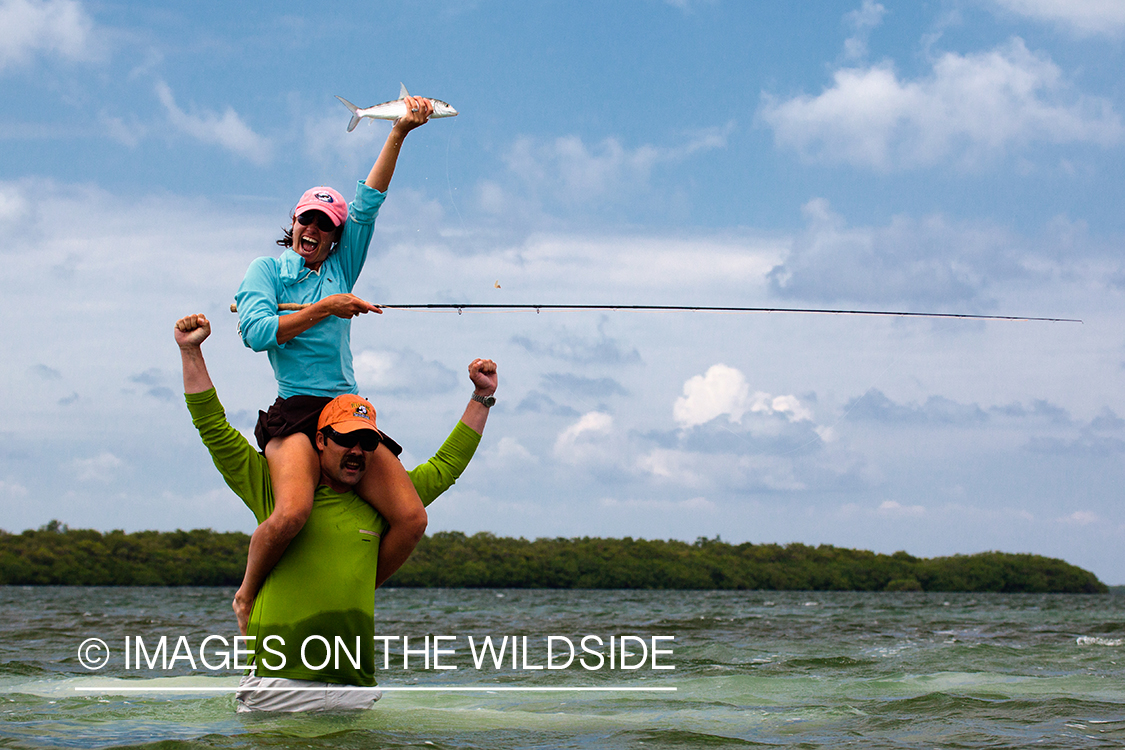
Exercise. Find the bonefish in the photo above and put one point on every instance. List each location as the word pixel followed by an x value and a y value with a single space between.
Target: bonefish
pixel 393 110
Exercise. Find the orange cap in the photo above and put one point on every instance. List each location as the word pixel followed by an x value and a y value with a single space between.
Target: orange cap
pixel 348 413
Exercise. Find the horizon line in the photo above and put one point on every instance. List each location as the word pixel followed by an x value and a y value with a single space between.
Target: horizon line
pixel 397 689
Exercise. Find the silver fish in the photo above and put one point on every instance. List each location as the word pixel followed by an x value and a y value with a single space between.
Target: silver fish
pixel 393 110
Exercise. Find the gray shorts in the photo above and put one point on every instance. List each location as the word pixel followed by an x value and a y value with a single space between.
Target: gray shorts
pixel 309 695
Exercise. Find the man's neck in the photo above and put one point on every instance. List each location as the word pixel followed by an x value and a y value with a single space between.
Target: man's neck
pixel 335 486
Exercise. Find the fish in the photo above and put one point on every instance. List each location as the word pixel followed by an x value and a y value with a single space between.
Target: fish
pixel 394 109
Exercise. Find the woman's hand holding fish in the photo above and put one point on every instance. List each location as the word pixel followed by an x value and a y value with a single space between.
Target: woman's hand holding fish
pixel 418 113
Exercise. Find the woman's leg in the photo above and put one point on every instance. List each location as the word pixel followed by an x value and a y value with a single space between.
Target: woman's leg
pixel 387 488
pixel 294 473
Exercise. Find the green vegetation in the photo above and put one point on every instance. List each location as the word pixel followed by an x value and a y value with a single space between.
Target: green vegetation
pixel 453 559
pixel 56 554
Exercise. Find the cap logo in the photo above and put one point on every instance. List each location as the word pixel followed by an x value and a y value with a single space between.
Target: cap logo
pixel 361 412
pixel 324 197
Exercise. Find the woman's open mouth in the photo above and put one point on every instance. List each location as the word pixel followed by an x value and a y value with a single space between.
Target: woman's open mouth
pixel 309 246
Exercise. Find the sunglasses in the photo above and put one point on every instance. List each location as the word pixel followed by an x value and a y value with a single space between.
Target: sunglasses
pixel 322 221
pixel 368 440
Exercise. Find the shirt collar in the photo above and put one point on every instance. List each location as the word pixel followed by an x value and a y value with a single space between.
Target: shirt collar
pixel 293 268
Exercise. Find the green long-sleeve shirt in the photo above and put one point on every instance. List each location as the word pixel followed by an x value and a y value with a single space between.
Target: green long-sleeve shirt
pixel 324 584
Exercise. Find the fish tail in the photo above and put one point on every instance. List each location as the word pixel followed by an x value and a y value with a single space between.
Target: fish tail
pixel 353 108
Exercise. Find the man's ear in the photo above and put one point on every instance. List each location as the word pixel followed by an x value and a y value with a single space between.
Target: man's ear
pixel 320 445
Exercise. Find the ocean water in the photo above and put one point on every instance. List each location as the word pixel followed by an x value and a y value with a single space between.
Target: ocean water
pixel 751 669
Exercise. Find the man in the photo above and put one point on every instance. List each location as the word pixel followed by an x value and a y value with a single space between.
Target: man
pixel 313 619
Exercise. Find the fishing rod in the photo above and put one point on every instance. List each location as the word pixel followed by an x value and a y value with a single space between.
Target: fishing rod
pixel 461 307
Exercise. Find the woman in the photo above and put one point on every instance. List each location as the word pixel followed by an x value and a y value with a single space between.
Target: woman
pixel 310 351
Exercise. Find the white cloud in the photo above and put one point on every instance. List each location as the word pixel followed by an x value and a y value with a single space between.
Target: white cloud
pixel 691 505
pixel 12 490
pixel 569 171
pixel 722 391
pixel 674 465
pixel 722 472
pixel 875 406
pixel 687 6
pixel 869 16
pixel 1082 16
pixel 603 268
pixel 13 204
pixel 1081 518
pixel 94 261
pixel 58 27
pixel 928 261
pixel 402 372
pixel 101 259
pixel 569 346
pixel 227 131
pixel 790 406
pixel 101 468
pixel 579 442
pixel 127 134
pixel 654 264
pixel 895 509
pixel 508 453
pixel 971 108
pixel 327 140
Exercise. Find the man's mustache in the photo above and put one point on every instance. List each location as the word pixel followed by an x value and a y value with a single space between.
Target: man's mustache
pixel 352 462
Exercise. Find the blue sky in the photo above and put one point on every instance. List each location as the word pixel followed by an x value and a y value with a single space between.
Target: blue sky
pixel 944 156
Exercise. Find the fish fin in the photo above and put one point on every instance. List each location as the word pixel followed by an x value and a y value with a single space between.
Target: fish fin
pixel 353 108
pixel 402 92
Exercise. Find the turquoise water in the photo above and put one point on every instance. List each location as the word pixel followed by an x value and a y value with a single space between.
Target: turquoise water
pixel 752 669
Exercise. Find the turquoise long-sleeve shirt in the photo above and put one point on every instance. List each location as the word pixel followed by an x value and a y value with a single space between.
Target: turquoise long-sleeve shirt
pixel 317 362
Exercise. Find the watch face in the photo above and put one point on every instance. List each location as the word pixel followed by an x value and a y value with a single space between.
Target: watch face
pixel 490 401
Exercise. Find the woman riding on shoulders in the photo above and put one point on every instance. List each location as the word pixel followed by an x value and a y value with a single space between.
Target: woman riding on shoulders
pixel 310 351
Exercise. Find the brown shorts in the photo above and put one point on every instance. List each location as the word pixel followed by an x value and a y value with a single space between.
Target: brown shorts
pixel 288 416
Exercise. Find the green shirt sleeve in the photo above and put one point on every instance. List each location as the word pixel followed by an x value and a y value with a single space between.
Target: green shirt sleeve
pixel 439 473
pixel 244 469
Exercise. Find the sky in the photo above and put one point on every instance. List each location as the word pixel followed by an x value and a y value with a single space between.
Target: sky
pixel 954 156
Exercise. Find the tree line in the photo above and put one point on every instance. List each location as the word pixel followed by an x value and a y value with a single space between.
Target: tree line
pixel 57 555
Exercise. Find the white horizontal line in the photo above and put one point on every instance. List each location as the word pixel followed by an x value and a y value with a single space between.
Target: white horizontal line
pixel 494 689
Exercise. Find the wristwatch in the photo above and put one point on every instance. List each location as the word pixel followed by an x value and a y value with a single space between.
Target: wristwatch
pixel 488 401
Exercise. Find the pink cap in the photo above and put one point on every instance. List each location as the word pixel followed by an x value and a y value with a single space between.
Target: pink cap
pixel 323 199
